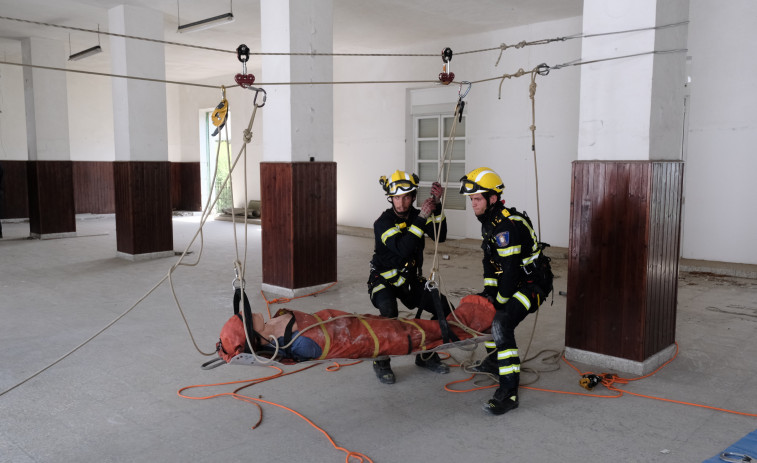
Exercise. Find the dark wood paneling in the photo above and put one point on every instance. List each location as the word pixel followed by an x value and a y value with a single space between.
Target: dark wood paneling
pixel 186 190
pixel 299 226
pixel 143 207
pixel 94 191
pixel 623 265
pixel 51 197
pixel 16 198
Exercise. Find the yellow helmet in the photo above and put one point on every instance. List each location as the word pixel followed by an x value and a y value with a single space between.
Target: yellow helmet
pixel 399 183
pixel 481 180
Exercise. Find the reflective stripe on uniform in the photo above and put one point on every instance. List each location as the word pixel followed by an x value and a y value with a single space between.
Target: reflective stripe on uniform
pixel 523 300
pixel 490 282
pixel 522 220
pixel 416 231
pixel 511 251
pixel 377 288
pixel 530 258
pixel 501 299
pixel 435 218
pixel 389 274
pixel 389 233
pixel 490 344
pixel 400 281
pixel 507 354
pixel 509 369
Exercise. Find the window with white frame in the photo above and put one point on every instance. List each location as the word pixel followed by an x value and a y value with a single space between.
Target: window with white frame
pixel 432 135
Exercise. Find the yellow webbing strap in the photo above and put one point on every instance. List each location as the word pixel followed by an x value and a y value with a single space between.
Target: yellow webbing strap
pixel 327 343
pixel 423 333
pixel 373 335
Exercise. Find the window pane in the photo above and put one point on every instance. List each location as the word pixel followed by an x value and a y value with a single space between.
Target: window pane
pixel 428 171
pixel 456 172
pixel 428 128
pixel 428 150
pixel 458 150
pixel 459 130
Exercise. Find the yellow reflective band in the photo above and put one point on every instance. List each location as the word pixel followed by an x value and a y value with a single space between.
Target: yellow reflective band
pixel 511 251
pixel 502 299
pixel 423 333
pixel 416 231
pixel 327 342
pixel 531 258
pixel 490 282
pixel 530 230
pixel 490 344
pixel 435 218
pixel 506 354
pixel 523 300
pixel 373 335
pixel 389 233
pixel 508 370
pixel 400 281
pixel 389 274
pixel 377 289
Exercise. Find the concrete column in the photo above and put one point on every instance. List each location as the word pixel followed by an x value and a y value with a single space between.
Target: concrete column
pixel 627 188
pixel 52 213
pixel 141 171
pixel 298 148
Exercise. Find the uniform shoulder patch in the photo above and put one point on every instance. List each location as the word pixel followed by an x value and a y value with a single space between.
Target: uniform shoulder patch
pixel 502 239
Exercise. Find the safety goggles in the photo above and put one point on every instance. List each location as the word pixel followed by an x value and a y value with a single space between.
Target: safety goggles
pixel 469 187
pixel 399 187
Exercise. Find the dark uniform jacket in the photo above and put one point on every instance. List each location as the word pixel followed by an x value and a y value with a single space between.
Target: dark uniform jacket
pixel 510 245
pixel 398 251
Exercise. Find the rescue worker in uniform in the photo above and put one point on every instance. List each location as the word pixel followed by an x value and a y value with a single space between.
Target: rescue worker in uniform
pixel 511 280
pixel 397 264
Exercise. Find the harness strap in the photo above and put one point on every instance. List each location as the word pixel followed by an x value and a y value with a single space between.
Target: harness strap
pixel 288 336
pixel 420 330
pixel 443 325
pixel 376 347
pixel 251 334
pixel 327 338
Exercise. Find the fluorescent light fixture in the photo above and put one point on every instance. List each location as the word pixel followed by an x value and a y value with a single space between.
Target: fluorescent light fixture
pixel 207 23
pixel 85 53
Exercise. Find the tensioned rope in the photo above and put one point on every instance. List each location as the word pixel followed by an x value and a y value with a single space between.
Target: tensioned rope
pixel 502 46
pixel 209 207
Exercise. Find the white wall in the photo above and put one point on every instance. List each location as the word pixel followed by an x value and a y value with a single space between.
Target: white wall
pixel 369 125
pixel 721 163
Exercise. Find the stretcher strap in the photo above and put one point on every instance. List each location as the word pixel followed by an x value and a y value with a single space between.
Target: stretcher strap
pixel 447 335
pixel 373 335
pixel 327 338
pixel 423 333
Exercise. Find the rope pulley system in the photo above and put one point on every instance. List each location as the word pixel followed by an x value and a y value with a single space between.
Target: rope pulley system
pixel 446 76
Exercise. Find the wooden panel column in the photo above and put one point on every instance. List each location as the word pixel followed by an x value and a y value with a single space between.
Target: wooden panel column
pixel 624 251
pixel 51 199
pixel 298 223
pixel 143 209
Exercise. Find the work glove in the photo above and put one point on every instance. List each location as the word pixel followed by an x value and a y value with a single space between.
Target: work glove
pixel 427 208
pixel 437 190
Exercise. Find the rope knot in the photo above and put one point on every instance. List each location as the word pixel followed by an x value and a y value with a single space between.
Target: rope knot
pixel 247 135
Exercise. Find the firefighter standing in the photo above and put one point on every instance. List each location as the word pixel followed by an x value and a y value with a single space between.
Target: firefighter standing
pixel 512 280
pixel 397 264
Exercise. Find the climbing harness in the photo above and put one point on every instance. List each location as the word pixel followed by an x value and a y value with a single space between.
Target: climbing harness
pixel 446 76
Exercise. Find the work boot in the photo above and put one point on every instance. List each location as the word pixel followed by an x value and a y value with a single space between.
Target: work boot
pixel 384 371
pixel 487 365
pixel 502 403
pixel 433 363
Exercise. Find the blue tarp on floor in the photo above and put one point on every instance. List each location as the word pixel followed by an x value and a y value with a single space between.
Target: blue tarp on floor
pixel 746 446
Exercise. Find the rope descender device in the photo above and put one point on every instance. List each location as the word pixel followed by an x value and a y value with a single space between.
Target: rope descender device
pixel 245 80
pixel 446 76
pixel 221 113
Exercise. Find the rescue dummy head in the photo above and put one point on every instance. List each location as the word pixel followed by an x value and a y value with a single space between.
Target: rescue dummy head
pixel 233 341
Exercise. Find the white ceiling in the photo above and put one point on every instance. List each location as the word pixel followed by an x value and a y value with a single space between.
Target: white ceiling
pixel 359 25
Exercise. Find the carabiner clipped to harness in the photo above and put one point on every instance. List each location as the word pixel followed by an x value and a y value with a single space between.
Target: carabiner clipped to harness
pixel 446 76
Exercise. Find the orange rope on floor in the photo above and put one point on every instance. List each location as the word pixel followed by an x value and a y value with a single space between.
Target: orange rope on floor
pixel 355 456
pixel 609 380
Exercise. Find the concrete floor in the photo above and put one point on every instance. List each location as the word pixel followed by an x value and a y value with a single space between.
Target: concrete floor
pixel 115 399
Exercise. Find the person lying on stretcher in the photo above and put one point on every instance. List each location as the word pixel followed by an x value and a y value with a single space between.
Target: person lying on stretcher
pixel 332 334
